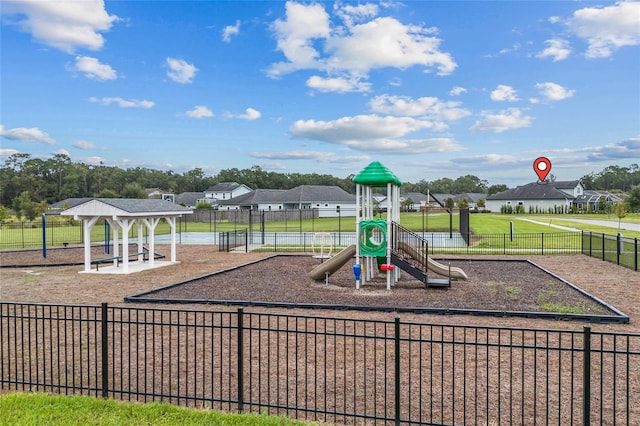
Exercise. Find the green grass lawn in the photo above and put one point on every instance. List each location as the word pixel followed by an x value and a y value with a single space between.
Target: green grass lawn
pixel 18 409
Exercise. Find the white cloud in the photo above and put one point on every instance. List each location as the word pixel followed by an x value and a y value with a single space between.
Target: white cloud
pixel 93 69
pixel 64 25
pixel 62 152
pixel 607 29
pixel 395 82
pixel 554 92
pixel 308 41
pixel 628 148
pixel 491 161
pixel 360 127
pixel 295 34
pixel 558 49
pixel 319 156
pixel 123 103
pixel 504 93
pixel 457 90
pixel 355 13
pixel 338 84
pixel 8 152
pixel 373 133
pixel 181 71
pixel 508 119
pixel 426 107
pixel 230 30
pixel 386 42
pixel 199 111
pixel 23 134
pixel 84 145
pixel 250 114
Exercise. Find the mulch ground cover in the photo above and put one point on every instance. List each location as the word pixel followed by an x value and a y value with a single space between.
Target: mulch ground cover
pixel 496 285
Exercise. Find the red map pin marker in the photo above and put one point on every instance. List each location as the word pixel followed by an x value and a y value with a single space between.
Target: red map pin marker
pixel 542 167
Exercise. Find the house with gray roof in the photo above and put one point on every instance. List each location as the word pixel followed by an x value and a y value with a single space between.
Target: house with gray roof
pixel 225 191
pixel 413 201
pixel 540 197
pixel 596 200
pixel 330 201
pixel 471 197
pixel 189 199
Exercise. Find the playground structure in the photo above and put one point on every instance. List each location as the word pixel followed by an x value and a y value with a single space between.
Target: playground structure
pixel 322 245
pixel 384 245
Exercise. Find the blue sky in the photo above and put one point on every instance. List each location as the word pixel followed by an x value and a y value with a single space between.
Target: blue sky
pixel 431 89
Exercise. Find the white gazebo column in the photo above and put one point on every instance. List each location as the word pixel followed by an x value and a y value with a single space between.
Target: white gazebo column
pixel 125 224
pixel 87 227
pixel 172 225
pixel 151 225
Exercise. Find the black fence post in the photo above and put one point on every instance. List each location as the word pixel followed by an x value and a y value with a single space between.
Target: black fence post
pixel 240 360
pixel 603 257
pixel 397 369
pixel 635 262
pixel 542 244
pixel 619 247
pixel 586 377
pixel 105 350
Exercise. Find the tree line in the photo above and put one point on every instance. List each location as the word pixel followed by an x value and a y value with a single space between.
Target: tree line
pixel 58 178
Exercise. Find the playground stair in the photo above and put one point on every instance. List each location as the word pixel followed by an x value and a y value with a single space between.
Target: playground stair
pixel 409 252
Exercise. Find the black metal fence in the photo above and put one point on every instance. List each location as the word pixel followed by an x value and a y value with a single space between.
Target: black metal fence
pixel 530 243
pixel 325 369
pixel 612 248
pixel 228 241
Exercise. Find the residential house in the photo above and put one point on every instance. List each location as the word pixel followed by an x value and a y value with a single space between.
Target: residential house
pixel 189 199
pixel 593 201
pixel 154 193
pixel 538 197
pixel 331 201
pixel 413 201
pixel 471 197
pixel 225 191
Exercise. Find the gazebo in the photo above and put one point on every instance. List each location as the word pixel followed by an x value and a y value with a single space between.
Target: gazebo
pixel 122 214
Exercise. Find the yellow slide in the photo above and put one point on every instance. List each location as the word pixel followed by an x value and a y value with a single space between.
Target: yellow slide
pixel 434 266
pixel 333 264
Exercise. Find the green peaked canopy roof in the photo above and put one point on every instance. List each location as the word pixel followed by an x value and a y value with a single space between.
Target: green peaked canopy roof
pixel 375 174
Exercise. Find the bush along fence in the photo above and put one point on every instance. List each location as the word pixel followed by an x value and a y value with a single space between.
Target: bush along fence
pixel 324 369
pixel 612 248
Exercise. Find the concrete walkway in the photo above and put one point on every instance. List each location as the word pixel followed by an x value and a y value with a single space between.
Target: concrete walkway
pixel 609 223
pixel 537 222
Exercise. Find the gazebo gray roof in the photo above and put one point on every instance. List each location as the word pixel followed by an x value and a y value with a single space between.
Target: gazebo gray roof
pixel 130 207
